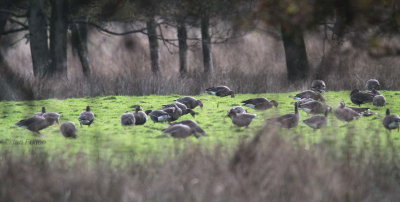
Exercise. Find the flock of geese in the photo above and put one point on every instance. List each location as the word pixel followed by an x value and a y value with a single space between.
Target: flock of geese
pixel 310 101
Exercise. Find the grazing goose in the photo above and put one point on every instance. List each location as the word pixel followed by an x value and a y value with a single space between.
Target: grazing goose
pixel 318 121
pixel 241 119
pixel 86 117
pixel 128 119
pixel 36 123
pixel 237 109
pixel 42 112
pixel 314 107
pixel 391 121
pixel 179 131
pixel 174 112
pixel 309 94
pixel 379 101
pixel 192 124
pixel 288 120
pixel 159 115
pixel 318 86
pixel 260 103
pixel 190 102
pixel 357 97
pixel 372 84
pixel 344 113
pixel 183 107
pixel 68 130
pixel 220 91
pixel 140 116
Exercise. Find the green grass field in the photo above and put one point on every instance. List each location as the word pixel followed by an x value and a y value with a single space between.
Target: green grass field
pixel 107 139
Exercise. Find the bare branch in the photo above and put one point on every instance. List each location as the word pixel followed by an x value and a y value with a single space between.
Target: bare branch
pixel 99 27
pixel 13 31
pixel 18 22
pixel 13 14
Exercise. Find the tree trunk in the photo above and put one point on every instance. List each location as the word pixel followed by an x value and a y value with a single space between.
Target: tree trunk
pixel 79 45
pixel 206 44
pixel 38 37
pixel 295 51
pixel 58 38
pixel 183 47
pixel 153 45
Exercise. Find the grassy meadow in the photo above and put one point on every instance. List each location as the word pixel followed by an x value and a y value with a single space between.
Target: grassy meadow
pixel 107 139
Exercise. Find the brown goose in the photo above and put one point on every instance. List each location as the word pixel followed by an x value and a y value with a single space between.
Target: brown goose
pixel 288 120
pixel 318 121
pixel 241 119
pixel 159 115
pixel 304 100
pixel 52 116
pixel 379 101
pixel 260 103
pixel 68 130
pixel 190 102
pixel 36 123
pixel 140 116
pixel 174 112
pixel 372 84
pixel 357 97
pixel 318 86
pixel 314 107
pixel 237 109
pixel 391 121
pixel 86 117
pixel 128 119
pixel 220 91
pixel 183 107
pixel 42 112
pixel 344 113
pixel 309 94
pixel 192 124
pixel 179 131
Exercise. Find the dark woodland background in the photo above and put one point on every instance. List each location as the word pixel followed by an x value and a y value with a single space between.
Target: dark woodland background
pixel 75 48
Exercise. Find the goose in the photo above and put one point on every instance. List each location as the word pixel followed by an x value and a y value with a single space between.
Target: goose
pixel 179 131
pixel 159 115
pixel 260 103
pixel 190 102
pixel 318 86
pixel 309 94
pixel 183 107
pixel 391 121
pixel 42 112
pixel 372 84
pixel 241 119
pixel 357 97
pixel 220 91
pixel 68 129
pixel 86 117
pixel 288 120
pixel 128 119
pixel 237 109
pixel 140 116
pixel 379 101
pixel 192 124
pixel 314 107
pixel 344 113
pixel 174 112
pixel 318 121
pixel 53 116
pixel 36 123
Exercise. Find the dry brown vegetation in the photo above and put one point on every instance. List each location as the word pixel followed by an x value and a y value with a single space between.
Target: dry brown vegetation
pixel 266 168
pixel 253 63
